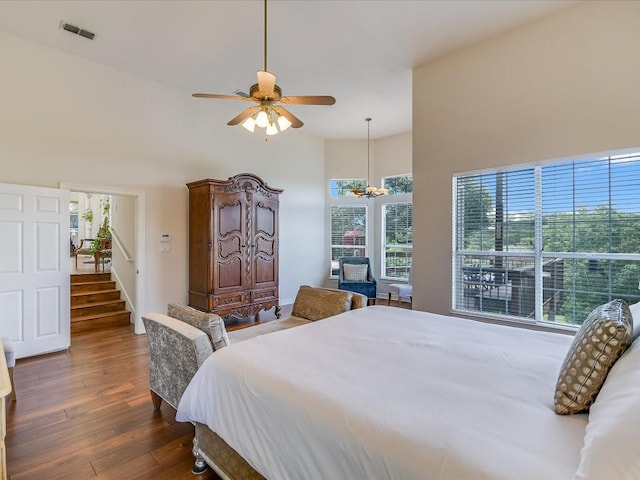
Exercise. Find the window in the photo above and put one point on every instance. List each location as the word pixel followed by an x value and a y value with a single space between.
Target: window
pixel 548 243
pixel 343 187
pixel 397 226
pixel 397 239
pixel 398 184
pixel 348 233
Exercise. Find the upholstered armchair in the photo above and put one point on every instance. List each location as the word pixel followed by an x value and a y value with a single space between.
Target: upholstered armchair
pixel 179 343
pixel 354 274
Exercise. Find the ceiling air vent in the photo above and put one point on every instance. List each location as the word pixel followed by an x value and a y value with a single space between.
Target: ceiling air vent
pixel 77 30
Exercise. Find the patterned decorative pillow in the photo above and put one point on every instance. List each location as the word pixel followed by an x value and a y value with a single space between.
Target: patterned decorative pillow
pixel 601 340
pixel 318 303
pixel 209 323
pixel 354 273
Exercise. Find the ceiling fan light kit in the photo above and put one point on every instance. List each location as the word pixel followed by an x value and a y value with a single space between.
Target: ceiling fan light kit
pixel 269 113
pixel 369 191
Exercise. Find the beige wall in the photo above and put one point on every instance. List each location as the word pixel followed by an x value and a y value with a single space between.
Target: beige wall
pixel 66 119
pixel 348 158
pixel 123 249
pixel 566 85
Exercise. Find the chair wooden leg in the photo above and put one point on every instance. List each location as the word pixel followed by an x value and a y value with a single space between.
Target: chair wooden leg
pixel 389 299
pixel 13 386
pixel 156 399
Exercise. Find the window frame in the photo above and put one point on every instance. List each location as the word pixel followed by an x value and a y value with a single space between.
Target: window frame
pixel 539 255
pixel 399 199
pixel 348 202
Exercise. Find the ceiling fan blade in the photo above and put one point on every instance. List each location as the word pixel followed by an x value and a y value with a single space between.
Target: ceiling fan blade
pixel 247 112
pixel 309 100
pixel 224 97
pixel 295 121
pixel 266 83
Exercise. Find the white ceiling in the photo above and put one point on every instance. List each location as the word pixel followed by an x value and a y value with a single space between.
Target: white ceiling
pixel 360 51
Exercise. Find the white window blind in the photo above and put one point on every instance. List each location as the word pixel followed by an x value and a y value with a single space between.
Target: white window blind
pixel 398 239
pixel 348 233
pixel 548 243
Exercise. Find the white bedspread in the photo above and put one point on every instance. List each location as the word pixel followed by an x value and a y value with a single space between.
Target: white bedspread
pixel 382 392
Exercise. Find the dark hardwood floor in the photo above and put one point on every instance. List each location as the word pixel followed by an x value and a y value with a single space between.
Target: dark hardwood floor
pixel 86 413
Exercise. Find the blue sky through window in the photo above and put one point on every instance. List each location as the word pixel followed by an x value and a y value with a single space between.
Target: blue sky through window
pixel 583 184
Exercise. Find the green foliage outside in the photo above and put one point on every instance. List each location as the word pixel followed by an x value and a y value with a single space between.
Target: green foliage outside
pixel 399 184
pixel 587 283
pixel 399 239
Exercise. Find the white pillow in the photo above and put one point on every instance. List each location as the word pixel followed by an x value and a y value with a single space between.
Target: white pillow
pixel 612 438
pixel 635 313
pixel 354 273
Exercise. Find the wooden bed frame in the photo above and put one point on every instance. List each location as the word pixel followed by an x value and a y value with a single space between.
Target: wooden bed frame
pixel 211 450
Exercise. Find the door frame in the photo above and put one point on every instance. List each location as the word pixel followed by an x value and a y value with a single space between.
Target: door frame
pixel 140 256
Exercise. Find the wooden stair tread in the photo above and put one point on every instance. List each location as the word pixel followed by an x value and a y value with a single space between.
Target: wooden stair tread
pixel 97 292
pixel 97 316
pixel 78 284
pixel 96 304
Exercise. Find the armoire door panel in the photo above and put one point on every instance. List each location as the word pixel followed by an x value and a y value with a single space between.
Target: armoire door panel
pixel 264 270
pixel 265 218
pixel 229 247
pixel 265 246
pixel 229 216
pixel 230 273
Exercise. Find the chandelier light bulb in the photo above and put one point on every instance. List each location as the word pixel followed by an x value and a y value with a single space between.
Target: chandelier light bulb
pixel 262 120
pixel 249 124
pixel 283 123
pixel 272 129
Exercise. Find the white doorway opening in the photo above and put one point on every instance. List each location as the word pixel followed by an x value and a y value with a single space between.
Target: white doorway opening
pixel 137 305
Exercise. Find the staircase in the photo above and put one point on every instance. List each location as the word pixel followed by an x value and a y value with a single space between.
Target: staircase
pixel 96 303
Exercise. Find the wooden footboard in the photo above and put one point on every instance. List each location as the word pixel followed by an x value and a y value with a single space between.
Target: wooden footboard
pixel 223 459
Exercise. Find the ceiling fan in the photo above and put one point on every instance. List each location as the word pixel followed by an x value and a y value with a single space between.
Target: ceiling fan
pixel 269 112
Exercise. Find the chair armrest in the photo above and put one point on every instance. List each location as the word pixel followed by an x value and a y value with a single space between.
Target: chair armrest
pixel 176 351
pixel 210 323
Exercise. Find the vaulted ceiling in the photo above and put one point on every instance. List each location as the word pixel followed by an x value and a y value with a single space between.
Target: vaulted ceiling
pixel 360 51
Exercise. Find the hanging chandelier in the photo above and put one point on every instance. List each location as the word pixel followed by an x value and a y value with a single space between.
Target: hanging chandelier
pixel 369 191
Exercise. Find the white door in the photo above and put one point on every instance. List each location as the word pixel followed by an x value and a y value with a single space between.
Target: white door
pixel 34 268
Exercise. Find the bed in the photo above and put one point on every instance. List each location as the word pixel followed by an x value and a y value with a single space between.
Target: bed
pixel 381 392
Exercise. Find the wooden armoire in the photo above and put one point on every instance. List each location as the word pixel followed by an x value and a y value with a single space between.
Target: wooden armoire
pixel 233 246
